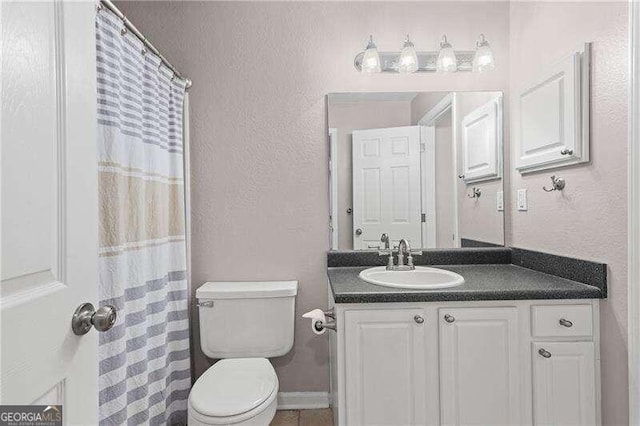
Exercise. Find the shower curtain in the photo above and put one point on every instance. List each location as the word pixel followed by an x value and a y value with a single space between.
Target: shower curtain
pixel 144 372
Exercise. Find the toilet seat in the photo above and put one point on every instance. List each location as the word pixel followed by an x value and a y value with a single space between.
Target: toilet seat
pixel 234 391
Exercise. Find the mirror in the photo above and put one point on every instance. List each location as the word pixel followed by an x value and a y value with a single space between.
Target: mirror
pixel 423 166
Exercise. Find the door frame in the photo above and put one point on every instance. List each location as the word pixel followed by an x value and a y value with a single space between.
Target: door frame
pixel 446 104
pixel 634 214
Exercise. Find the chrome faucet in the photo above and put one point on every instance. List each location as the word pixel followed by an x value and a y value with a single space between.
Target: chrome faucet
pixel 404 249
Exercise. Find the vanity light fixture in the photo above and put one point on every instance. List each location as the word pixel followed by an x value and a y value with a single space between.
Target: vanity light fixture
pixel 408 62
pixel 447 62
pixel 371 58
pixel 483 59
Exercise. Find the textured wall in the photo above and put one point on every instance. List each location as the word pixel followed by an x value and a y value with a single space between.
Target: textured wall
pixel 259 153
pixel 589 218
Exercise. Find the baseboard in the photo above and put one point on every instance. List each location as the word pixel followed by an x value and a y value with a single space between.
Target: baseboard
pixel 302 400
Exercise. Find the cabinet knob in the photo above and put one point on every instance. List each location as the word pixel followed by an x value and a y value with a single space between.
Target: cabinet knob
pixel 545 353
pixel 449 318
pixel 358 232
pixel 566 152
pixel 418 319
pixel 565 322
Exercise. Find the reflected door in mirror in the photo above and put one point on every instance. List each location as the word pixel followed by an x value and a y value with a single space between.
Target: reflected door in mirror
pixel 386 186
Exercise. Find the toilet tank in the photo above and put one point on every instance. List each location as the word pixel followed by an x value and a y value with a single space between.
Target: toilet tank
pixel 246 319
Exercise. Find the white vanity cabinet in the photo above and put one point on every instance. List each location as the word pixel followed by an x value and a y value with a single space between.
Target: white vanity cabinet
pixel 377 336
pixel 466 363
pixel 478 353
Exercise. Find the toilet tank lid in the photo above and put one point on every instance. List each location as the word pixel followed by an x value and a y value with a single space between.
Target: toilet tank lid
pixel 246 289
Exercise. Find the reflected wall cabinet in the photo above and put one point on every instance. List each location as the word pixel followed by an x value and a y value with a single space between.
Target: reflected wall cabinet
pixel 551 116
pixel 481 142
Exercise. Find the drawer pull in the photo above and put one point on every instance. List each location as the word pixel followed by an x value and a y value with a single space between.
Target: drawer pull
pixel 418 319
pixel 449 318
pixel 545 353
pixel 565 322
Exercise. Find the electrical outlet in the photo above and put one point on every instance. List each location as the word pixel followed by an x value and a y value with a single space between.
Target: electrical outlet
pixel 500 201
pixel 522 200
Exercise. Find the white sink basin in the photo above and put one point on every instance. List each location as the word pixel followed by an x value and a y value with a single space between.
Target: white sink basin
pixel 421 278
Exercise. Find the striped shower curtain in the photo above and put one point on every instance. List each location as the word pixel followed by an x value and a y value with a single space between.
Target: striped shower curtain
pixel 144 359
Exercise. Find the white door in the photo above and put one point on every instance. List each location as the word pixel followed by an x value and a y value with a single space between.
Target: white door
pixel 49 206
pixel 386 186
pixel 564 384
pixel 386 368
pixel 479 371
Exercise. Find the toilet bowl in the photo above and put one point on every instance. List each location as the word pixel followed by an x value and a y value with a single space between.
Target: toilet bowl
pixel 240 392
pixel 241 324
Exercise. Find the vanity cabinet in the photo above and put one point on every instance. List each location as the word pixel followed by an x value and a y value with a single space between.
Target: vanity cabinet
pixel 466 363
pixel 564 383
pixel 479 371
pixel 386 351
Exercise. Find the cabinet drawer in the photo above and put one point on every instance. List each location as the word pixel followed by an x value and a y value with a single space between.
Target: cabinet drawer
pixel 561 320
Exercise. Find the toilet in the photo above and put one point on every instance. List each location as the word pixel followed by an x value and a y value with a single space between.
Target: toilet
pixel 241 324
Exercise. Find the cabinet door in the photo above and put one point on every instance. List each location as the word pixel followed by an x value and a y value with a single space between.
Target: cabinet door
pixel 386 365
pixel 479 371
pixel 564 383
pixel 482 142
pixel 549 118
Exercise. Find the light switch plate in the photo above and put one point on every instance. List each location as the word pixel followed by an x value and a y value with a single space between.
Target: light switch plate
pixel 500 201
pixel 522 199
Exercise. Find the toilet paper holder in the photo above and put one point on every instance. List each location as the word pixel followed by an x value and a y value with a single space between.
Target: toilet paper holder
pixel 330 325
pixel 320 321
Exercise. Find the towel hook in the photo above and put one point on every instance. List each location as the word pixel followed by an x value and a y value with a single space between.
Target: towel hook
pixel 558 184
pixel 476 193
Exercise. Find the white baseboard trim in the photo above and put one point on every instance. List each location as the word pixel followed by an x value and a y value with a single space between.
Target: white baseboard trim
pixel 302 400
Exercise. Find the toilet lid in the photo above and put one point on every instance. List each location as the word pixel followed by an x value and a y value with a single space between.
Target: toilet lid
pixel 233 386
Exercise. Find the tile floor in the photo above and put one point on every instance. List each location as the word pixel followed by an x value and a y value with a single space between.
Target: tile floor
pixel 321 417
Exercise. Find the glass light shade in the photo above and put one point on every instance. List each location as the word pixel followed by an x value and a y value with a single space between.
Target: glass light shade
pixel 371 58
pixel 483 59
pixel 446 62
pixel 408 61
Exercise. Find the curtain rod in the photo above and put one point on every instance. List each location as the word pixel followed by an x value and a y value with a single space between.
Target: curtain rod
pixel 112 7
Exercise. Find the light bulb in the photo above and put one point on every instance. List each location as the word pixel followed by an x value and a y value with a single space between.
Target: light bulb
pixel 446 62
pixel 408 61
pixel 371 58
pixel 483 59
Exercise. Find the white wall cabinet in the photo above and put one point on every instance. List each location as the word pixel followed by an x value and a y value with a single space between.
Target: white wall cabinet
pixel 466 363
pixel 479 351
pixel 551 116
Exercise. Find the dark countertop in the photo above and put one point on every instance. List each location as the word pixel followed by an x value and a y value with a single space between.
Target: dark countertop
pixel 482 282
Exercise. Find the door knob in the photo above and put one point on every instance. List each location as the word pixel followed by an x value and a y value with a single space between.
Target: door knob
pixel 86 316
pixel 358 231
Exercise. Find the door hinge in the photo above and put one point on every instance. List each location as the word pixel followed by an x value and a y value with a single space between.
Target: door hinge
pixel 423 147
pixel 423 217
